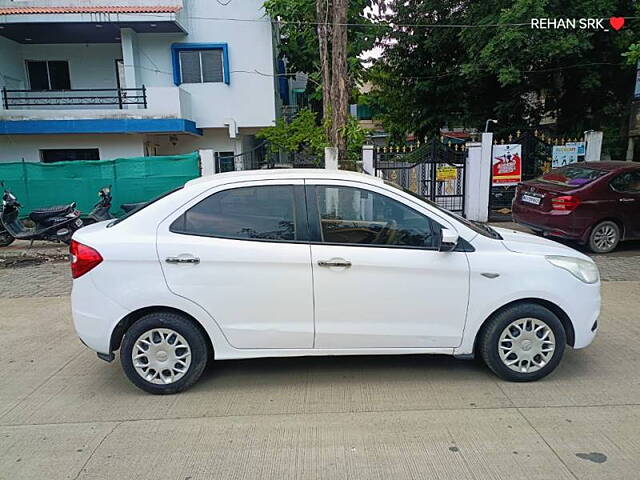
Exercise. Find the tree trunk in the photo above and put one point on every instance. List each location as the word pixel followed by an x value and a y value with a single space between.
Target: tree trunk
pixel 322 17
pixel 339 79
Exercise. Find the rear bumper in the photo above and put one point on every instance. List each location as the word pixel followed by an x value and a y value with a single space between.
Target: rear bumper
pixel 94 325
pixel 558 224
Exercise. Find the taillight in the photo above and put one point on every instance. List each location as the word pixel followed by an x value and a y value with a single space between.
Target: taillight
pixel 565 202
pixel 83 258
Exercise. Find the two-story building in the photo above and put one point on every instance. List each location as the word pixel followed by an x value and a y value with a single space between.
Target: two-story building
pixel 100 79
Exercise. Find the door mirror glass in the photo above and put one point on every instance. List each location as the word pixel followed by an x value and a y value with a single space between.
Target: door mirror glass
pixel 448 240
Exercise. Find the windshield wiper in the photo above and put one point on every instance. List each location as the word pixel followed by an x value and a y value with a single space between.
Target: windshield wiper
pixel 487 228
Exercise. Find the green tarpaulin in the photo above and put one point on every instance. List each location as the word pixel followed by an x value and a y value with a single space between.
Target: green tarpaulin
pixel 139 179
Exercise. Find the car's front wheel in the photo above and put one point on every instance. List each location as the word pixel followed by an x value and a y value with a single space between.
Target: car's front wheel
pixel 523 343
pixel 163 353
pixel 604 237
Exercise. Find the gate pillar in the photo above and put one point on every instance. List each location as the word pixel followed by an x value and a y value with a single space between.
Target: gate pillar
pixel 478 179
pixel 367 159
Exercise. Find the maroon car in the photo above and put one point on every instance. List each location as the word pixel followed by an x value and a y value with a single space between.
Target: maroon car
pixel 596 203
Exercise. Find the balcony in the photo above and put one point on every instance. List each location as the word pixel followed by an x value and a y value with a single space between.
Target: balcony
pixel 74 98
pixel 118 110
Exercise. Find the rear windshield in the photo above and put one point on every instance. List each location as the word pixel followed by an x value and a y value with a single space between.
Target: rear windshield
pixel 571 175
pixel 130 213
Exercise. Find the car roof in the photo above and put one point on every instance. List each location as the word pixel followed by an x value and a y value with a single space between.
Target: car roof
pixel 285 173
pixel 611 165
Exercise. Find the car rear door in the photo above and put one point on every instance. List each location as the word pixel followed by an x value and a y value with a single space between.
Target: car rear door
pixel 379 279
pixel 241 252
pixel 626 188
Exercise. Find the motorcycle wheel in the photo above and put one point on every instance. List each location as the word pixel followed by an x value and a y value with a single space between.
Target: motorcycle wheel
pixel 6 239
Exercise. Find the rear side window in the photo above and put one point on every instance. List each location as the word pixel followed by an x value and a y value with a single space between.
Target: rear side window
pixel 258 213
pixel 627 182
pixel 571 175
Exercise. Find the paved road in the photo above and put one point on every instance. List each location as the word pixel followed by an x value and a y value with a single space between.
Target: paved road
pixel 66 414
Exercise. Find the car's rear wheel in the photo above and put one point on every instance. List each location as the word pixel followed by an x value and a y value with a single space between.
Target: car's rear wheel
pixel 604 237
pixel 523 343
pixel 163 353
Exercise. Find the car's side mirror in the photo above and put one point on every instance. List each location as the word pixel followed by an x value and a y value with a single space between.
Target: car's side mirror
pixel 448 240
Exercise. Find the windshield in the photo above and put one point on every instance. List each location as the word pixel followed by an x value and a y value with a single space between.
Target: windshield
pixel 478 227
pixel 141 207
pixel 571 176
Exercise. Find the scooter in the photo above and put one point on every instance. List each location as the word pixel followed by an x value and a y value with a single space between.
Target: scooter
pixel 53 224
pixel 100 210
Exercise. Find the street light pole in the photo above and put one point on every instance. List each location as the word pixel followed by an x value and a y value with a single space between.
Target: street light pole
pixel 486 125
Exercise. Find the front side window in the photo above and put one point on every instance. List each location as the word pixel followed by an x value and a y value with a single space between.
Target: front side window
pixel 201 66
pixel 627 182
pixel 249 213
pixel 360 217
pixel 48 75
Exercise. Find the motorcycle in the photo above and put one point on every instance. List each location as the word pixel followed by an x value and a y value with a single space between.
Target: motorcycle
pixel 100 210
pixel 53 224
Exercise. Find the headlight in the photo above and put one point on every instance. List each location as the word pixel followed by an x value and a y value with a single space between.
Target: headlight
pixel 583 270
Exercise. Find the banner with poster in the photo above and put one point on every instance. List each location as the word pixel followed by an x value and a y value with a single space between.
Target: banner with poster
pixel 507 165
pixel 563 155
pixel 581 147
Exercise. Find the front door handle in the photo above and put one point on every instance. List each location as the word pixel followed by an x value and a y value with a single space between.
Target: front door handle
pixel 185 259
pixel 334 262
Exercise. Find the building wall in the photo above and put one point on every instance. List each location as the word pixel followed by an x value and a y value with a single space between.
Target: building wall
pixel 216 139
pixel 13 148
pixel 11 65
pixel 249 99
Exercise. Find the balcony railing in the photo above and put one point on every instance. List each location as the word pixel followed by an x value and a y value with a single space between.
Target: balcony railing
pixel 74 97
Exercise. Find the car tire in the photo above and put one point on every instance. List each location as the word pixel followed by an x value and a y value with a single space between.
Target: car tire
pixel 604 237
pixel 176 353
pixel 500 343
pixel 6 239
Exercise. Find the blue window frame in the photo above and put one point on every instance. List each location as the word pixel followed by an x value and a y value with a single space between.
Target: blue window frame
pixel 176 48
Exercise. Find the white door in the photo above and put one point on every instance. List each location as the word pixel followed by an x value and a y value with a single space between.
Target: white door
pixel 379 280
pixel 242 254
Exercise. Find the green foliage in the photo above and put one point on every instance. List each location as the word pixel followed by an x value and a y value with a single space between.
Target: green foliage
pixel 434 77
pixel 304 134
pixel 299 39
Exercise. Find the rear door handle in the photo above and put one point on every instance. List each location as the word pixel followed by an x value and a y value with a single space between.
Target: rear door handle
pixel 334 262
pixel 627 199
pixel 185 259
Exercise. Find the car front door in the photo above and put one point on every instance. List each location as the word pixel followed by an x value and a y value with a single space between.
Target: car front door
pixel 626 187
pixel 379 279
pixel 241 252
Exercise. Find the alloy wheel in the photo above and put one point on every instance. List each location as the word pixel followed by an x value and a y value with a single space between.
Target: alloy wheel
pixel 605 237
pixel 161 356
pixel 526 345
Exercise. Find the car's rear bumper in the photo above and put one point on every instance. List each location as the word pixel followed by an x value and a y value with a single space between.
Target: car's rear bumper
pixel 555 223
pixel 94 315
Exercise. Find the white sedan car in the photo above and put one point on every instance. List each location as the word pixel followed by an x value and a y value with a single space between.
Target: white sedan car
pixel 290 263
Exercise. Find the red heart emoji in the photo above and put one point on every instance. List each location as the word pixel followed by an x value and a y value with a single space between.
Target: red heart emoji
pixel 616 22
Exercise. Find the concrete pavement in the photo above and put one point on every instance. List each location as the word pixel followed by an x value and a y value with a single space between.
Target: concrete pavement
pixel 66 414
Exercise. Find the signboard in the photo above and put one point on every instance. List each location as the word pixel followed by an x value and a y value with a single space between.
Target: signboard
pixel 564 155
pixel 446 173
pixel 581 147
pixel 507 165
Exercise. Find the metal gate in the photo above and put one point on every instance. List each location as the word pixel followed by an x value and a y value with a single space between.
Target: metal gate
pixel 432 170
